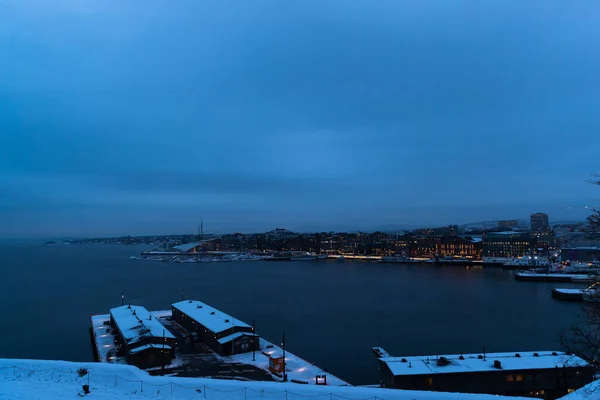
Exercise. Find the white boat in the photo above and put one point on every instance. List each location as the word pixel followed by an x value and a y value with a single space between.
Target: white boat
pixel 495 260
pixel 577 267
pixel 527 262
pixel 303 256
pixel 397 259
pixel 585 278
pixel 187 260
pixel 323 256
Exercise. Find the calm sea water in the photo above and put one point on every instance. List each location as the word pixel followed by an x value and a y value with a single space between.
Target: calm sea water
pixel 332 312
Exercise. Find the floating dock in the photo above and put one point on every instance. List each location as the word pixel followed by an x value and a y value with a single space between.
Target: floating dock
pixel 380 352
pixel 537 277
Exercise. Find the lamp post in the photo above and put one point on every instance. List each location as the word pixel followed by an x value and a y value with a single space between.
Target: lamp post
pixel 162 354
pixel 283 347
pixel 233 340
pixel 253 340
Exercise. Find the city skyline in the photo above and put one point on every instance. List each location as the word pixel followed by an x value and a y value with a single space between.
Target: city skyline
pixel 523 224
pixel 120 119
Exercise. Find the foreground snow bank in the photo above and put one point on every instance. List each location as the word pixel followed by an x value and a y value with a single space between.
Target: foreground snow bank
pixel 591 391
pixel 60 380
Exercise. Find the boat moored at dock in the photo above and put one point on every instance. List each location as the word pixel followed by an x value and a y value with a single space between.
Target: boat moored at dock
pixel 542 277
pixel 278 257
pixel 494 261
pixel 591 294
pixel 567 294
pixel 303 256
pixel 380 352
pixel 527 262
pixel 399 260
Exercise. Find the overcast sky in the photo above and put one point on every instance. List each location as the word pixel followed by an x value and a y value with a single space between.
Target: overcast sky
pixel 140 117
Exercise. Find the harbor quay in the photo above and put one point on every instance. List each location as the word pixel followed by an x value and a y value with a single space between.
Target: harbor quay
pixel 193 339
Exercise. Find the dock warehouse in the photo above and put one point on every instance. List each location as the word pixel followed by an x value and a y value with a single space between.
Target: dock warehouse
pixel 543 374
pixel 221 332
pixel 141 337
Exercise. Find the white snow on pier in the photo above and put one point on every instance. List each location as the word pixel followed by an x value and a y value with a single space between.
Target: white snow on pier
pixel 296 368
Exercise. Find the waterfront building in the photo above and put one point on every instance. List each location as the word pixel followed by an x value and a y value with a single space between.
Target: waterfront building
pixel 141 338
pixel 507 244
pixel 508 224
pixel 443 247
pixel 213 244
pixel 218 330
pixel 539 222
pixel 545 374
pixel 404 245
pixel 545 241
pixel 585 254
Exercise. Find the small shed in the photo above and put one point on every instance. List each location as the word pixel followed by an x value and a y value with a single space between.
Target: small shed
pixel 150 355
pixel 239 342
pixel 276 363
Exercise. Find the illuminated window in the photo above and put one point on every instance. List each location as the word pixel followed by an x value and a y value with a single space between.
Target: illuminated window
pixel 509 378
pixel 519 377
pixel 429 381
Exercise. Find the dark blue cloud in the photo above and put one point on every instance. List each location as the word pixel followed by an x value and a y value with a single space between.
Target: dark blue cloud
pixel 304 114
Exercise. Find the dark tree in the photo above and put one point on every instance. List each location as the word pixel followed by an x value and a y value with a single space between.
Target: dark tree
pixel 583 338
pixel 594 218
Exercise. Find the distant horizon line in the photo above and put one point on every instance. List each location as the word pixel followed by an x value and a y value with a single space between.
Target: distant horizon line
pixel 382 228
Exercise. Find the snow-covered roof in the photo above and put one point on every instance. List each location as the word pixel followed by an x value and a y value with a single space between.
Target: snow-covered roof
pixel 149 346
pixel 184 248
pixel 473 362
pixel 234 336
pixel 211 318
pixel 506 233
pixel 136 323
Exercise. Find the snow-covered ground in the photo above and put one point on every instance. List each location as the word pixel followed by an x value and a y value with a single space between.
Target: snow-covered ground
pixel 59 380
pixel 590 391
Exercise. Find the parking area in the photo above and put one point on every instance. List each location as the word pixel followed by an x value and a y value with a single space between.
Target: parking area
pixel 198 360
